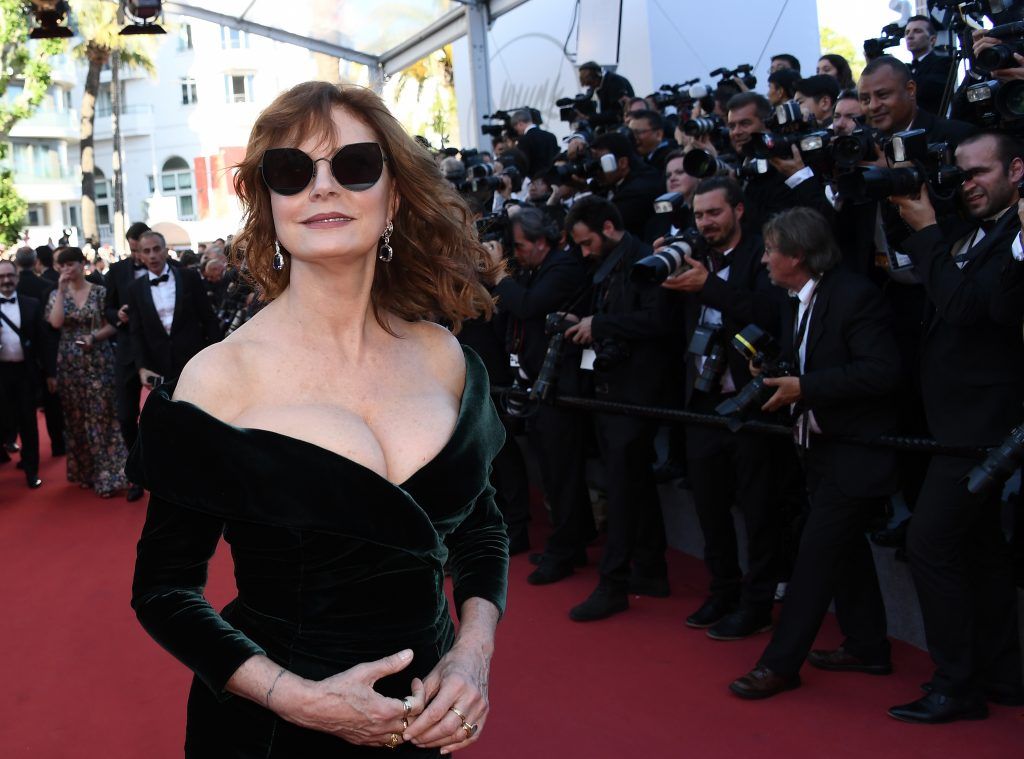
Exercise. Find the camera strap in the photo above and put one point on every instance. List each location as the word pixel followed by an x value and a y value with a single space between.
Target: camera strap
pixel 10 324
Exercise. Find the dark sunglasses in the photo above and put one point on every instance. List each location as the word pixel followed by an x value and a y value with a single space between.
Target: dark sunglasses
pixel 356 167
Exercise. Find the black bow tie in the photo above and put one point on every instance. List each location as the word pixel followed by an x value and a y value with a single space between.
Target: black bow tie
pixel 8 300
pixel 158 280
pixel 137 267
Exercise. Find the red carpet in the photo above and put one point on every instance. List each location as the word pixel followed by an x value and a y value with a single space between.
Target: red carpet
pixel 80 679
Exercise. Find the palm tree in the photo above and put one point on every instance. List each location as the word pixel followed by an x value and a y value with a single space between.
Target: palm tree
pixel 97 27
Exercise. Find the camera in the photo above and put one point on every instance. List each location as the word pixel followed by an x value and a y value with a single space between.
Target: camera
pixel 701 164
pixel 610 353
pixel 674 205
pixel 761 350
pixel 707 343
pixel 788 126
pixel 997 104
pixel 568 108
pixel 743 72
pixel 848 150
pixel 555 326
pixel 669 260
pixel 891 36
pixel 588 168
pixel 1001 463
pixel 932 164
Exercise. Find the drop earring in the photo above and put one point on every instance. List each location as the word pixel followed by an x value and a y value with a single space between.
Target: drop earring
pixel 278 262
pixel 386 251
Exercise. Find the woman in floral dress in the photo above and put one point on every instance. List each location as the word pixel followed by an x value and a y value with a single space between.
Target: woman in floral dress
pixel 85 378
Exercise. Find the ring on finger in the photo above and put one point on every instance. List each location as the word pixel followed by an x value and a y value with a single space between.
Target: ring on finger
pixel 458 714
pixel 470 729
pixel 405 723
pixel 393 741
pixel 407 703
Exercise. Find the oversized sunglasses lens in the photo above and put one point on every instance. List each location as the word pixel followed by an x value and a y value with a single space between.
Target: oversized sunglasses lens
pixel 357 167
pixel 286 171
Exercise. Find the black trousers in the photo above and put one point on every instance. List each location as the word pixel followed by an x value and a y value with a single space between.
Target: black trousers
pixel 726 468
pixel 636 528
pixel 834 562
pixel 511 485
pixel 558 439
pixel 129 391
pixel 18 393
pixel 961 567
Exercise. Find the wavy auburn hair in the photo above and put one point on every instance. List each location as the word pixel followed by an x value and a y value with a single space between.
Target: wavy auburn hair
pixel 438 260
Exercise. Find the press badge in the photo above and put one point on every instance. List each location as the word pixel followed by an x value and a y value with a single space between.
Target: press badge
pixel 587 359
pixel 513 360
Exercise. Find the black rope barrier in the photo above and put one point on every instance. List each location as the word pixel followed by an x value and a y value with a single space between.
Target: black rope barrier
pixel 679 416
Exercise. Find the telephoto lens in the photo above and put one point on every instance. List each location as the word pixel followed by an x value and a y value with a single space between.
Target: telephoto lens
pixel 701 164
pixel 881 183
pixel 1000 464
pixel 670 259
pixel 702 126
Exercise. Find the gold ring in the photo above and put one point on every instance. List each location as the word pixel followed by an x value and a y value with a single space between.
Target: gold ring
pixel 470 729
pixel 405 723
pixel 407 705
pixel 393 741
pixel 458 714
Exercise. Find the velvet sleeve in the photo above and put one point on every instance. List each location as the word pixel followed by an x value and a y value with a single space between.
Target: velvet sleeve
pixel 478 554
pixel 167 593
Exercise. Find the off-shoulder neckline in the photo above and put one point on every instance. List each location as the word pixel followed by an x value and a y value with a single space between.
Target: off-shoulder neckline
pixel 164 394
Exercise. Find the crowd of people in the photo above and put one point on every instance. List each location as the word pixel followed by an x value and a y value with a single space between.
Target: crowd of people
pixel 867 316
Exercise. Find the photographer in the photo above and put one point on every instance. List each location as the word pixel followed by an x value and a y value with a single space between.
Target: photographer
pixel 782 86
pixel 608 89
pixel 729 291
pixel 537 146
pixel 628 333
pixel 681 217
pixel 929 68
pixel 549 279
pixel 972 360
pixel 632 186
pixel 817 97
pixel 786 182
pixel 648 130
pixel 784 61
pixel 836 334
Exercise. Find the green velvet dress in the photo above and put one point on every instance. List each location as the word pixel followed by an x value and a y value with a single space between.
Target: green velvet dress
pixel 334 564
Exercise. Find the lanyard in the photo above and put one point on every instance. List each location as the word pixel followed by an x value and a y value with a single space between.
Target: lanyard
pixel 801 331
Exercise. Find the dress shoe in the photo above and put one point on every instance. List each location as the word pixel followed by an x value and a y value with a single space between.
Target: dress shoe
pixel 710 612
pixel 655 587
pixel 935 709
pixel 33 483
pixel 545 574
pixel 996 694
pixel 579 560
pixel 601 604
pixel 12 447
pixel 135 492
pixel 841 660
pixel 891 537
pixel 761 682
pixel 741 624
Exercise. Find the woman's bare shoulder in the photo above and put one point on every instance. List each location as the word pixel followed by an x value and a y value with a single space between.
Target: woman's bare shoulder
pixel 214 379
pixel 441 352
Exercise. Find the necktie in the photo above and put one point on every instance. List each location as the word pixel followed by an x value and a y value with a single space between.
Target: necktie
pixel 159 280
pixel 8 300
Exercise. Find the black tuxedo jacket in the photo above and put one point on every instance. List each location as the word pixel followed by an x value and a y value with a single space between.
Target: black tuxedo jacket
pixel 609 93
pixel 745 297
pixel 851 370
pixel 972 355
pixel 530 297
pixel 51 275
pixel 193 328
pixel 767 194
pixel 641 318
pixel 34 286
pixel 930 74
pixel 120 277
pixel 635 197
pixel 540 149
pixel 33 337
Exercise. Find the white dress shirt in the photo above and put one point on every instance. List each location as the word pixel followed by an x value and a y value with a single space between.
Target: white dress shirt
pixel 806 298
pixel 10 343
pixel 163 297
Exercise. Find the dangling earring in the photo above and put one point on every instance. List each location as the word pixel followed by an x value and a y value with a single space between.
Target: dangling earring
pixel 278 263
pixel 386 251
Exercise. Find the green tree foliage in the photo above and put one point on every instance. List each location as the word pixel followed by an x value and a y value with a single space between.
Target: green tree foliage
pixel 27 64
pixel 834 42
pixel 97 27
